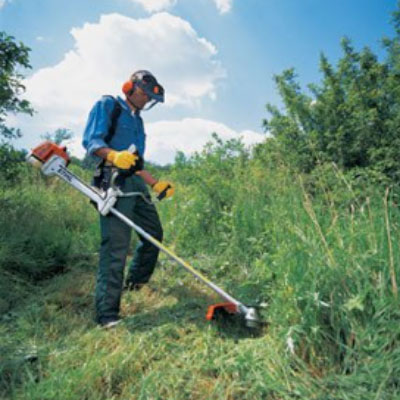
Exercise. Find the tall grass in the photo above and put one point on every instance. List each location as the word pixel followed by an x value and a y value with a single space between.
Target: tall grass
pixel 321 251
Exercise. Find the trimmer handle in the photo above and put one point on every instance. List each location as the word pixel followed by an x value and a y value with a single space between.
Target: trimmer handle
pixel 132 149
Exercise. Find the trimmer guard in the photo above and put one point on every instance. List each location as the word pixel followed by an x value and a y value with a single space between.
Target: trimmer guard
pixel 228 307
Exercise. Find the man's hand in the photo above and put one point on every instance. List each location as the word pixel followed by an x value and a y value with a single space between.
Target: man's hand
pixel 122 159
pixel 164 189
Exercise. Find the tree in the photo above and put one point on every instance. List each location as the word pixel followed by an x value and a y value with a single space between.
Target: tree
pixel 350 118
pixel 13 56
pixel 59 135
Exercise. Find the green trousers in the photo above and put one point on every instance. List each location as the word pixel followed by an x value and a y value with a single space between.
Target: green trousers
pixel 115 241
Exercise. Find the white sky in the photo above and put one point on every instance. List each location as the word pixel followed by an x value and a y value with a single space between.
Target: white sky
pixel 223 6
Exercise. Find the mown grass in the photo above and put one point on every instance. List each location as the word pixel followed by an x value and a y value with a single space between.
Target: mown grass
pixel 321 253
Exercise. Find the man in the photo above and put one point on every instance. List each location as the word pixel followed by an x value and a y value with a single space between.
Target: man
pixel 108 135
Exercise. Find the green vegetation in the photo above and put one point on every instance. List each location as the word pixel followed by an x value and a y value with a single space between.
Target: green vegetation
pixel 307 224
pixel 351 118
pixel 326 272
pixel 13 57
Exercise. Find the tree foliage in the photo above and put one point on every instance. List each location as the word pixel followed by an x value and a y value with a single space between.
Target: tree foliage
pixel 13 56
pixel 59 135
pixel 351 118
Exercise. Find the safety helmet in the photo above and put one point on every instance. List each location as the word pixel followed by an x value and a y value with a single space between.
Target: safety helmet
pixel 148 83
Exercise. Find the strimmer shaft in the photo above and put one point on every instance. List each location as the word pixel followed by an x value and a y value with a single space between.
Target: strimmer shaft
pixel 67 176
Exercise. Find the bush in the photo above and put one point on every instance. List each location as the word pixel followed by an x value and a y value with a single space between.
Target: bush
pixel 12 164
pixel 317 248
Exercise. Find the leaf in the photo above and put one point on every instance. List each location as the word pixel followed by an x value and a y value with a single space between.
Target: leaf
pixel 355 303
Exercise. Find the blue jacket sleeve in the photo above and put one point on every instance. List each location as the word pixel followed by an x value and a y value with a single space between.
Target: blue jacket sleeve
pixel 97 125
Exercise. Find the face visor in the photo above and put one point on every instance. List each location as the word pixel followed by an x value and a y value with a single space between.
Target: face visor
pixel 148 83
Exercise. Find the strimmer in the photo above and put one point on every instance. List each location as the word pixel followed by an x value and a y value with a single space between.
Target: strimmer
pixel 53 160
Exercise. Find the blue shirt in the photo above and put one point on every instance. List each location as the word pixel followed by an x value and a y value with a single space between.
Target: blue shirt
pixel 129 127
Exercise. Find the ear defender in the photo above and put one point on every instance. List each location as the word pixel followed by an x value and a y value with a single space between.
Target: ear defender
pixel 128 88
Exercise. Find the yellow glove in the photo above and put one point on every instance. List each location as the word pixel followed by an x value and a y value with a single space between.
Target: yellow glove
pixel 122 159
pixel 164 189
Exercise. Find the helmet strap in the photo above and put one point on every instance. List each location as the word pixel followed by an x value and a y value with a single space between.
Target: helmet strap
pixel 151 105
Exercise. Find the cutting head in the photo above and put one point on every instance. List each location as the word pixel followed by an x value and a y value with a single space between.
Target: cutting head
pixel 252 318
pixel 221 308
pixel 250 314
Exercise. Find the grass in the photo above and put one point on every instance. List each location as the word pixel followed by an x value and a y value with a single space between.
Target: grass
pixel 45 224
pixel 164 349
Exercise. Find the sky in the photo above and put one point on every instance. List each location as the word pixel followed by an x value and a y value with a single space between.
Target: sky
pixel 215 58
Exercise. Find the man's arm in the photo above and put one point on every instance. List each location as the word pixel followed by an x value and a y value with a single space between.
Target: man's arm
pixel 147 177
pixel 97 125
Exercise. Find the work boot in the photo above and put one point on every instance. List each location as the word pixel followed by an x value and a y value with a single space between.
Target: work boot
pixel 108 323
pixel 135 287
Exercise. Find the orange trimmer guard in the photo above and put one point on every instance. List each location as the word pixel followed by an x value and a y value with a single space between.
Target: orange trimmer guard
pixel 227 307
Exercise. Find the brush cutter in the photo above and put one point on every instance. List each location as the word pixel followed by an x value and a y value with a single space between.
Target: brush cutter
pixel 53 160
